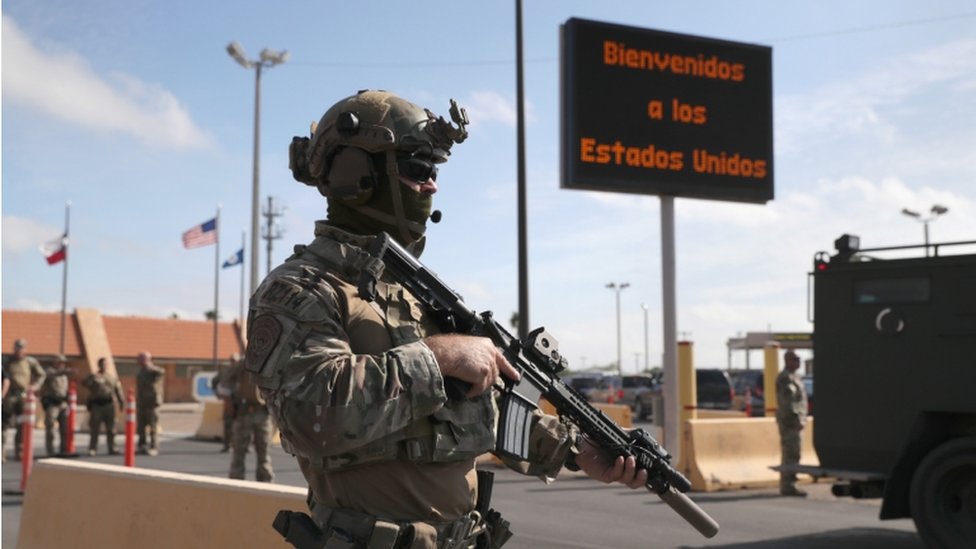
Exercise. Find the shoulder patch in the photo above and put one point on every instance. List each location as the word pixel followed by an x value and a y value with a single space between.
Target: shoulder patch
pixel 262 339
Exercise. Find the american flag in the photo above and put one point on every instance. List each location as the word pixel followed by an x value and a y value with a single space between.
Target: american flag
pixel 201 235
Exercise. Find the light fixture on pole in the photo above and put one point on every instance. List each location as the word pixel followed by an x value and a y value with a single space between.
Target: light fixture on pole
pixel 647 354
pixel 618 288
pixel 934 212
pixel 267 58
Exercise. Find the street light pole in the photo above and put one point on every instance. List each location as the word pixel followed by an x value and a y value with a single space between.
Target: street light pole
pixel 618 288
pixel 647 353
pixel 934 212
pixel 268 58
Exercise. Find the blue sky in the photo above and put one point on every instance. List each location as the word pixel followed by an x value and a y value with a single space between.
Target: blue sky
pixel 134 112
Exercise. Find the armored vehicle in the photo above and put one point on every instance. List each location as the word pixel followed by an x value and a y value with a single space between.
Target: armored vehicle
pixel 895 370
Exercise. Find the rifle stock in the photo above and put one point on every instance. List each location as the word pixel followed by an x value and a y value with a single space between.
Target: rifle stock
pixel 538 361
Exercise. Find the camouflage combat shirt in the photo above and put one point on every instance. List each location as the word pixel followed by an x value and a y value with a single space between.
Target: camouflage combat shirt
pixel 23 373
pixel 359 398
pixel 791 399
pixel 149 386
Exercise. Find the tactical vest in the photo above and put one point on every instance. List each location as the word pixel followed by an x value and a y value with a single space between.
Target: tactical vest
pixel 149 385
pixel 457 431
pixel 101 387
pixel 247 391
pixel 55 384
pixel 21 372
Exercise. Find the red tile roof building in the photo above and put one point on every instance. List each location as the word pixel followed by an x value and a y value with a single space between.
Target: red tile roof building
pixel 181 347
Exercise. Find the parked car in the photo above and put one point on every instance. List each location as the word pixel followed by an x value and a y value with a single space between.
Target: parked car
pixel 639 390
pixel 607 390
pixel 714 389
pixel 584 382
pixel 635 390
pixel 751 382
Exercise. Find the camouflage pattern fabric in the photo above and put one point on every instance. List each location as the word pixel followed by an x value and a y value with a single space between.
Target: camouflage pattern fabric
pixel 223 391
pixel 149 396
pixel 149 386
pixel 791 415
pixel 253 423
pixel 22 372
pixel 54 400
pixel 101 415
pixel 104 393
pixel 359 398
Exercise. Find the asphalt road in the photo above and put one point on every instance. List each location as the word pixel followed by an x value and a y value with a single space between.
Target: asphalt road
pixel 574 512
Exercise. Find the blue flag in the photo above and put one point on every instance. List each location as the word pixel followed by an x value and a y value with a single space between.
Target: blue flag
pixel 235 259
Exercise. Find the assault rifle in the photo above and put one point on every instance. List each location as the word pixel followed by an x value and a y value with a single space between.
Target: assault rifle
pixel 538 361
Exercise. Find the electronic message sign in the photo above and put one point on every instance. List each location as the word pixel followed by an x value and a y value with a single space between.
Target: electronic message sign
pixel 654 112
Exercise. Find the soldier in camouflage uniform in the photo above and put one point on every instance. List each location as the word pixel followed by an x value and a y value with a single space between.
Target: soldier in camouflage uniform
pixel 357 388
pixel 251 422
pixel 220 387
pixel 54 399
pixel 149 397
pixel 791 415
pixel 25 375
pixel 103 393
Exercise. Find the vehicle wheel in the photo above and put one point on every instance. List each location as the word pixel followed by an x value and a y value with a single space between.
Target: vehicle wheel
pixel 639 411
pixel 943 495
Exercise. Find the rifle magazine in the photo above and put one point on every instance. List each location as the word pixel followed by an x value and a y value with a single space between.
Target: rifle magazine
pixel 515 425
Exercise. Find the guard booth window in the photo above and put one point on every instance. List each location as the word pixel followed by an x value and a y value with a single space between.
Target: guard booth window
pixel 892 290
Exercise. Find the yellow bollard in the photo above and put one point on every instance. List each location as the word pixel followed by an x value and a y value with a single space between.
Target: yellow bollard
pixel 770 372
pixel 687 384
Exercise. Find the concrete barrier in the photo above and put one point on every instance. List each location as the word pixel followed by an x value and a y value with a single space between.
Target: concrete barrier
pixel 211 421
pixel 620 413
pixel 728 454
pixel 708 413
pixel 73 504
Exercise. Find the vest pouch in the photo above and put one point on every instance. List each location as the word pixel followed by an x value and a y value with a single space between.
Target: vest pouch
pixel 338 539
pixel 464 429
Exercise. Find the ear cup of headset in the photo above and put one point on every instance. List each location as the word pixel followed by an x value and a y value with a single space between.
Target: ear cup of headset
pixel 351 176
pixel 298 160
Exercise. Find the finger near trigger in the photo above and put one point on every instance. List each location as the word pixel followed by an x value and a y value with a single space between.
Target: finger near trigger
pixel 506 368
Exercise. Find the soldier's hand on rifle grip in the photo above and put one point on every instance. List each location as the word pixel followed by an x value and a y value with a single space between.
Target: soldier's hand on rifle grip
pixel 603 466
pixel 474 360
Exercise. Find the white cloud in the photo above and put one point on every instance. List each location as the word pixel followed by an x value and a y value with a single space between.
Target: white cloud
pixel 21 234
pixel 28 304
pixel 63 85
pixel 860 106
pixel 489 106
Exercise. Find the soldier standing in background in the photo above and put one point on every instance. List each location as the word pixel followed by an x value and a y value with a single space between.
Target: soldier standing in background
pixel 102 390
pixel 54 399
pixel 251 422
pixel 222 389
pixel 25 375
pixel 791 416
pixel 149 397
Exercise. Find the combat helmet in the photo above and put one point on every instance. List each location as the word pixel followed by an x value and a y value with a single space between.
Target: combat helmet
pixel 360 148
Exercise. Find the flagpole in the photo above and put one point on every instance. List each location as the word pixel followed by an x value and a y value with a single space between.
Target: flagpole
pixel 64 275
pixel 243 241
pixel 216 285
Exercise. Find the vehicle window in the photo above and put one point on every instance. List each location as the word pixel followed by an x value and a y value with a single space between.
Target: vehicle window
pixel 891 290
pixel 584 382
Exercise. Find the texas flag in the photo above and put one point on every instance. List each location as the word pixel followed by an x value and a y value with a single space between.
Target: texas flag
pixel 55 251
